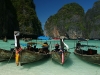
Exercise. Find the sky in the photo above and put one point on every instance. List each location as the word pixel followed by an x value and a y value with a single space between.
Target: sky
pixel 46 8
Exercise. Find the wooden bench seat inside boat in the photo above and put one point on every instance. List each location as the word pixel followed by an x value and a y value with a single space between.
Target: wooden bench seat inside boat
pixel 89 52
pixel 92 52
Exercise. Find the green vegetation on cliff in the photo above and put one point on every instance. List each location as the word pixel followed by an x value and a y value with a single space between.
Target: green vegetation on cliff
pixel 19 15
pixel 92 20
pixel 72 20
pixel 27 18
pixel 69 18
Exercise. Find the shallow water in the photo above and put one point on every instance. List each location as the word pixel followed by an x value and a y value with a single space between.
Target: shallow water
pixel 73 66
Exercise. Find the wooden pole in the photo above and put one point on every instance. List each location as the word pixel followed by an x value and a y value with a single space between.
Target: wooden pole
pixel 16 36
pixel 62 44
pixel 17 47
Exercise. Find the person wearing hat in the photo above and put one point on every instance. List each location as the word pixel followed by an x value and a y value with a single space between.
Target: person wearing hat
pixel 57 47
pixel 45 47
pixel 78 45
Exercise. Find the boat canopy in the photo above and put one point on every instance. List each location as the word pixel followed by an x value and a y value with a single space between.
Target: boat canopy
pixel 82 39
pixel 43 38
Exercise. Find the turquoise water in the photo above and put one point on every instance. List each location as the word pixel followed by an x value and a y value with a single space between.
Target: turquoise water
pixel 73 66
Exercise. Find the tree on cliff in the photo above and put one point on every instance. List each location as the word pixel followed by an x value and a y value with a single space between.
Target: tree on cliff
pixel 28 21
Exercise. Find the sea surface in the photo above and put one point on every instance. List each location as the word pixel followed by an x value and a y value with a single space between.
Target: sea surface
pixel 73 66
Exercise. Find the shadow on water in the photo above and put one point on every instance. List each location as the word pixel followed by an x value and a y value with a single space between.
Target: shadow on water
pixel 87 62
pixel 2 63
pixel 36 63
pixel 67 63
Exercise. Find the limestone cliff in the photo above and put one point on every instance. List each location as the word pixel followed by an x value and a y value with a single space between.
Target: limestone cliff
pixel 68 20
pixel 71 21
pixel 19 15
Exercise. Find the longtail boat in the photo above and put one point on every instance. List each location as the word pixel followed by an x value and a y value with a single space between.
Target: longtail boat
pixel 87 52
pixel 29 54
pixel 6 54
pixel 32 54
pixel 60 55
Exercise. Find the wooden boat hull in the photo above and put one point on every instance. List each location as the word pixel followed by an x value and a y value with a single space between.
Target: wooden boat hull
pixel 95 59
pixel 27 56
pixel 6 55
pixel 58 57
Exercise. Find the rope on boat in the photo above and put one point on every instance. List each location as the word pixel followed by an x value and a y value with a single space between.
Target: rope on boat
pixel 11 56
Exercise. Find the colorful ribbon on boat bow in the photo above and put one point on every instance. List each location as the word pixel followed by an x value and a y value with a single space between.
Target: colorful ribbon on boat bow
pixel 62 61
pixel 17 56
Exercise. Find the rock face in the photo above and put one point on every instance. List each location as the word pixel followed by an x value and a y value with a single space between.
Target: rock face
pixel 71 21
pixel 92 18
pixel 28 21
pixel 68 20
pixel 19 15
pixel 8 19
